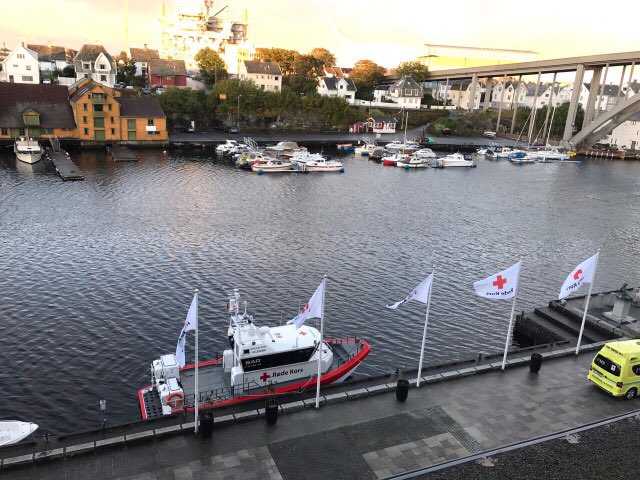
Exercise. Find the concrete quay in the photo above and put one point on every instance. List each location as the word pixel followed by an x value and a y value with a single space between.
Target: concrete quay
pixel 363 433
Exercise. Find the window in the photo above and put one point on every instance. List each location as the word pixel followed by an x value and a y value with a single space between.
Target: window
pixel 4 131
pixel 20 55
pixel 150 121
pixel 27 78
pixel 102 66
pixel 112 120
pixel 275 78
pixel 85 106
pixel 103 78
pixel 84 119
pixel 607 365
pixel 86 131
pixel 21 132
pixel 636 370
pixel 131 135
pixel 113 130
pixel 99 135
pixel 109 106
pixel 98 108
pixel 277 359
pixel 98 122
pixel 131 124
pixel 28 67
pixel 86 65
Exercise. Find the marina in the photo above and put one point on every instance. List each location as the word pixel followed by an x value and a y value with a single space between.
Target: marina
pixel 61 160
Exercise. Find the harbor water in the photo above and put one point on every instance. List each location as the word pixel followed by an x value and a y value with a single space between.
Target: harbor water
pixel 97 276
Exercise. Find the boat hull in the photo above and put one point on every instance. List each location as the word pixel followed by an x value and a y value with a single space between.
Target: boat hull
pixel 29 157
pixel 335 375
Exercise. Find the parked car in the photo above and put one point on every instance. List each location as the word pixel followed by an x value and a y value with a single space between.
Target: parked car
pixel 233 130
pixel 46 81
pixel 146 91
pixel 160 90
pixel 120 85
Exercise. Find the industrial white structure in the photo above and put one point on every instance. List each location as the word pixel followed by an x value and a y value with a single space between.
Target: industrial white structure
pixel 195 25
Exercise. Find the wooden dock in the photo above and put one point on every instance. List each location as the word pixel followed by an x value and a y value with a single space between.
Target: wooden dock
pixel 62 162
pixel 120 153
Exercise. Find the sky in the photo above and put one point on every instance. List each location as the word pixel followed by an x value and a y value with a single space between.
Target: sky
pixel 380 30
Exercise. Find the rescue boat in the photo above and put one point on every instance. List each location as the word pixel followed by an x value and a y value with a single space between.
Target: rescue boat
pixel 261 361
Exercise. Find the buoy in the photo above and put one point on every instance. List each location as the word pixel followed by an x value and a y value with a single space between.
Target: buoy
pixel 341 170
pixel 406 167
pixel 260 172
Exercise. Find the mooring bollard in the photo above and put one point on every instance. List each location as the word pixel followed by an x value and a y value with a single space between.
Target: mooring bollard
pixel 402 390
pixel 271 408
pixel 206 424
pixel 535 363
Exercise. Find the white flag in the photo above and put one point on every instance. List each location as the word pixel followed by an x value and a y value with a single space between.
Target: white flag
pixel 189 324
pixel 313 309
pixel 420 293
pixel 583 273
pixel 501 286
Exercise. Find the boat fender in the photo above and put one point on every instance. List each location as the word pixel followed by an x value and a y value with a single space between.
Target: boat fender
pixel 175 400
pixel 260 172
pixel 341 170
pixel 406 167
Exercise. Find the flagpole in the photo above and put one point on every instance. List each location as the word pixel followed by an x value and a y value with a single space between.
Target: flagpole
pixel 324 289
pixel 586 305
pixel 424 332
pixel 196 382
pixel 513 311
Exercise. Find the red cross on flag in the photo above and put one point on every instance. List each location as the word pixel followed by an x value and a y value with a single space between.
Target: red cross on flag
pixel 583 273
pixel 500 286
pixel 313 309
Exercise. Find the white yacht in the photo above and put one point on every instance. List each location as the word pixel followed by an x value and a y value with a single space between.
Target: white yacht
pixel 366 149
pixel 521 160
pixel 302 157
pixel 14 431
pixel 28 150
pixel 261 361
pixel 284 149
pixel 453 160
pixel 549 154
pixel 507 153
pixel 392 160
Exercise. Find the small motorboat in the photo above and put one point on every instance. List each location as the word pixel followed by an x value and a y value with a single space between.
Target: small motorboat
pixel 272 165
pixel 226 147
pixel 521 160
pixel 402 147
pixel 246 160
pixel 304 156
pixel 453 160
pixel 28 150
pixel 322 165
pixel 508 153
pixel 262 361
pixel 345 147
pixel 424 154
pixel 366 149
pixel 392 160
pixel 284 149
pixel 489 134
pixel 377 154
pixel 413 162
pixel 14 431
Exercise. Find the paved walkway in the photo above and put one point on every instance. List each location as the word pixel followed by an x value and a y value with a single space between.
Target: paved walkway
pixel 372 438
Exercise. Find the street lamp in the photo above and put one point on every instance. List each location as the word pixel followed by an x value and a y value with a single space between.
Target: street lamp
pixel 103 409
pixel 239 111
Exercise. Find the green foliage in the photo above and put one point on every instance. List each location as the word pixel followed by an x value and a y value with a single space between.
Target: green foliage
pixel 327 58
pixel 68 71
pixel 212 66
pixel 302 85
pixel 366 75
pixel 307 66
pixel 281 56
pixel 415 70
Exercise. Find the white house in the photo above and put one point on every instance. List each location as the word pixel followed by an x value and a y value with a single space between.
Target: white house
pixel 406 92
pixel 543 98
pixel 94 62
pixel 381 94
pixel 626 135
pixel 50 57
pixel 337 87
pixel 459 93
pixel 140 57
pixel 266 75
pixel 514 93
pixel 21 66
pixel 382 124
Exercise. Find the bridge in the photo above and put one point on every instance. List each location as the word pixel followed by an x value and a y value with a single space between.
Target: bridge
pixel 596 124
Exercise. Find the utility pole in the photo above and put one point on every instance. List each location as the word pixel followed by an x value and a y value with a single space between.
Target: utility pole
pixel 239 111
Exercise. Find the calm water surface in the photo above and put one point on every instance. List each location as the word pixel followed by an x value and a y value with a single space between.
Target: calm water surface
pixel 96 276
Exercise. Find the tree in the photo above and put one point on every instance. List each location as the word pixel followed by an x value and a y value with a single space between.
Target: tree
pixel 307 66
pixel 211 65
pixel 415 70
pixel 302 85
pixel 325 56
pixel 281 56
pixel 366 75
pixel 68 71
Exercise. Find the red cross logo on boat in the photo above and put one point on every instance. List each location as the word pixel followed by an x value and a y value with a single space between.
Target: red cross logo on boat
pixel 264 377
pixel 499 282
pixel 576 276
pixel 302 333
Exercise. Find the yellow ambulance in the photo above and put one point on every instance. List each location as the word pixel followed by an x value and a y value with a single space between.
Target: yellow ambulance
pixel 616 368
